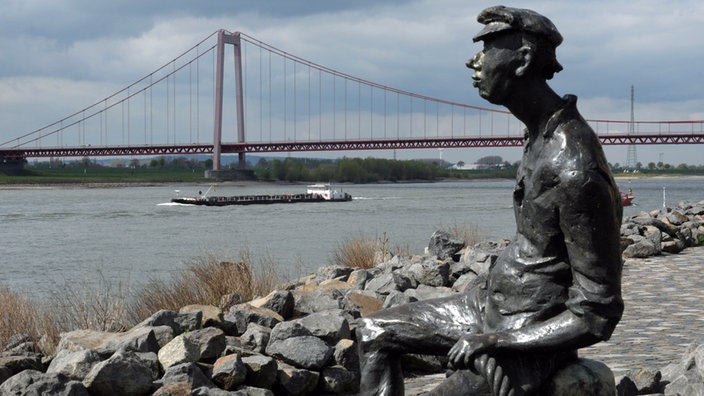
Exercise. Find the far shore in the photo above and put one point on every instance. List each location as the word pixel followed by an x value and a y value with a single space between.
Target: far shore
pixel 44 185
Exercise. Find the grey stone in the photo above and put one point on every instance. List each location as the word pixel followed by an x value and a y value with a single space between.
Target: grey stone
pixel 585 377
pixel 388 282
pixel 333 272
pixel 137 339
pixel 444 245
pixel 305 351
pixel 35 383
pixel 186 373
pixel 318 300
pixel 279 301
pixel 430 273
pixel 74 364
pixel 123 373
pixel 229 372
pixel 345 354
pixel 256 337
pixel 244 314
pixel 14 363
pixel 179 350
pixel 179 322
pixel 331 325
pixel 261 371
pixel 211 316
pixel 339 380
pixel 296 381
pixel 395 298
pixel 211 343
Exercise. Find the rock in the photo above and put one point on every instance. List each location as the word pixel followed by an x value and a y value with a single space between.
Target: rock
pixel 585 377
pixel 15 363
pixel 426 292
pixel 35 383
pixel 358 278
pixel 395 298
pixel 685 376
pixel 334 272
pixel 137 339
pixel 330 326
pixel 256 337
pixel 363 304
pixel 123 373
pixel 179 322
pixel 641 249
pixel 626 387
pixel 430 273
pixel 646 381
pixel 179 350
pixel 229 372
pixel 296 381
pixel 261 371
pixel 279 301
pixel 185 373
pixel 345 354
pixel 444 245
pixel 317 300
pixel 388 282
pixel 337 380
pixel 210 341
pixel 304 351
pixel 211 316
pixel 244 314
pixel 74 364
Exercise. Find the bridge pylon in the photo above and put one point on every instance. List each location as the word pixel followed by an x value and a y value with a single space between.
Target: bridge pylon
pixel 225 37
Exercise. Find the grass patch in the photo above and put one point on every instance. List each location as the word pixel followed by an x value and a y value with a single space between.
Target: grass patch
pixel 22 316
pixel 206 280
pixel 363 252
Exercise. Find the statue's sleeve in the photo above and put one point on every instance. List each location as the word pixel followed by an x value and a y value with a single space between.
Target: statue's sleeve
pixel 590 221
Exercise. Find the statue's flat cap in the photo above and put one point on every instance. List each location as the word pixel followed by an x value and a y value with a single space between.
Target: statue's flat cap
pixel 501 19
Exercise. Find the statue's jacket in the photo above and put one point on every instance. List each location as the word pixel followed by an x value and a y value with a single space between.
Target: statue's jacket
pixel 566 253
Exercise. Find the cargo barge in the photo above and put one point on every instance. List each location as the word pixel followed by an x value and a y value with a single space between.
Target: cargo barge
pixel 314 193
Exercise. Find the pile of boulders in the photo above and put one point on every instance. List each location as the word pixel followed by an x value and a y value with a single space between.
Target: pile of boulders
pixel 667 230
pixel 298 340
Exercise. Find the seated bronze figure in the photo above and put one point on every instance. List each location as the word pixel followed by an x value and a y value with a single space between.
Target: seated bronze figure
pixel 557 286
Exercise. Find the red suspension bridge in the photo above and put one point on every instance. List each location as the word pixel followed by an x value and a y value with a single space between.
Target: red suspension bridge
pixel 283 103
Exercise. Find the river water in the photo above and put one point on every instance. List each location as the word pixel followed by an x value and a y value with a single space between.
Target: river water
pixel 51 236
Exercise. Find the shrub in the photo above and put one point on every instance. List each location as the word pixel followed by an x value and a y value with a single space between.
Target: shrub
pixel 21 316
pixel 204 281
pixel 91 306
pixel 362 252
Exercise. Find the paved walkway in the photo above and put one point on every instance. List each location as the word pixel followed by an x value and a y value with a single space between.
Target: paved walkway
pixel 664 297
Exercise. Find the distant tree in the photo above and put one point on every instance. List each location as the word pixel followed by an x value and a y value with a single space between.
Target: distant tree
pixel 490 160
pixel 460 164
pixel 651 165
pixel 683 166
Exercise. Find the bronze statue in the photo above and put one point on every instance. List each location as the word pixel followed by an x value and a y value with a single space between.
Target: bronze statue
pixel 557 286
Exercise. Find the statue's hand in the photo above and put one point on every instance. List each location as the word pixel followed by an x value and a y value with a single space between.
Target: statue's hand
pixel 469 347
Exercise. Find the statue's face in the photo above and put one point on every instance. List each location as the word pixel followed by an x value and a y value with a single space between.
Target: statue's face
pixel 495 68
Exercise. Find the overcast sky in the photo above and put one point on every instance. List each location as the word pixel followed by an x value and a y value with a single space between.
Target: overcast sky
pixel 58 56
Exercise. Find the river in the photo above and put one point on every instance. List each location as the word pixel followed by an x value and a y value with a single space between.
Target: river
pixel 50 236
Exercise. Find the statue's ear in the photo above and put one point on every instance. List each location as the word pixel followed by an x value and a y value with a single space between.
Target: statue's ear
pixel 526 59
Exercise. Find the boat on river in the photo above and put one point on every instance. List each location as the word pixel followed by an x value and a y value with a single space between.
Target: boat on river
pixel 627 197
pixel 314 193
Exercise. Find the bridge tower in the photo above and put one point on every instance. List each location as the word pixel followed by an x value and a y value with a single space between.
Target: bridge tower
pixel 225 37
pixel 631 156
